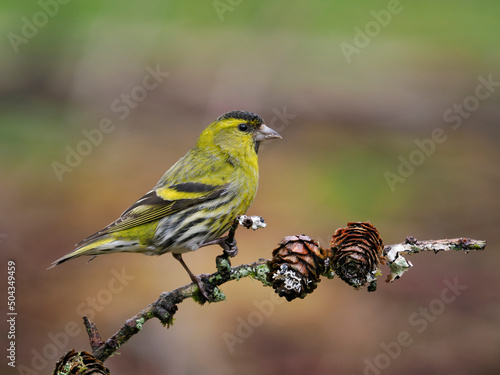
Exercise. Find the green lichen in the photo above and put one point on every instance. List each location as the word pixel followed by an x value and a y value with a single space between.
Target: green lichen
pixel 223 264
pixel 241 272
pixel 257 272
pixel 217 295
pixel 260 274
pixel 66 370
pixel 329 274
pixel 399 267
pixel 198 297
pixel 139 323
pixel 477 246
pixel 216 278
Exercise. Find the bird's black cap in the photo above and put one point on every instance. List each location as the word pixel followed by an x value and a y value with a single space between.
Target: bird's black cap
pixel 242 115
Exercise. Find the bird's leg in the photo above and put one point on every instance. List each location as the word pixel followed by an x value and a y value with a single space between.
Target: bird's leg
pixel 227 243
pixel 195 279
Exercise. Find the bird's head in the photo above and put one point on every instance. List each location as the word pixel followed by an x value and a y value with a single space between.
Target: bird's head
pixel 236 133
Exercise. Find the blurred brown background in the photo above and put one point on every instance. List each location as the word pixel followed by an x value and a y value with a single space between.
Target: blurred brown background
pixel 356 90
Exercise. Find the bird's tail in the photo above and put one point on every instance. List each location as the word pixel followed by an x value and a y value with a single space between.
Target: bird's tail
pixel 102 245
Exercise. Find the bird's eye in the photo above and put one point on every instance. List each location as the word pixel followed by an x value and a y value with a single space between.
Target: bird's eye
pixel 243 127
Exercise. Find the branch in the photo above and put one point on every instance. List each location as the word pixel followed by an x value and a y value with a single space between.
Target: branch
pixel 165 307
pixel 355 254
pixel 399 265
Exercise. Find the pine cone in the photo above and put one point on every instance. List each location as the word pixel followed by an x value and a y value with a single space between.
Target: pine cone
pixel 356 252
pixel 80 363
pixel 296 266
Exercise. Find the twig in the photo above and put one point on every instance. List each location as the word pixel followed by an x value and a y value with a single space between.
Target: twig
pixel 399 265
pixel 94 337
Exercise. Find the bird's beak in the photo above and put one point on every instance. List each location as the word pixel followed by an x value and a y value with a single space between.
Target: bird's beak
pixel 264 133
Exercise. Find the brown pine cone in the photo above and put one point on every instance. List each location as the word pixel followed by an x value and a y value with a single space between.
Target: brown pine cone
pixel 79 363
pixel 296 266
pixel 356 252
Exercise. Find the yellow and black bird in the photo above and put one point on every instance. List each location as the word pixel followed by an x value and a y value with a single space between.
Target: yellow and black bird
pixel 196 201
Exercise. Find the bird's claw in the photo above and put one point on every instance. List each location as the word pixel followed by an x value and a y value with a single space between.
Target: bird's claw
pixel 202 286
pixel 229 246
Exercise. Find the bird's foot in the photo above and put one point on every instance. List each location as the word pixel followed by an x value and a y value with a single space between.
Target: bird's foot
pixel 228 244
pixel 229 247
pixel 195 279
pixel 202 286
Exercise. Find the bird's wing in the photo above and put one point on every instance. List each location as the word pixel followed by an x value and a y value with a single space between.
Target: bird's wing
pixel 161 202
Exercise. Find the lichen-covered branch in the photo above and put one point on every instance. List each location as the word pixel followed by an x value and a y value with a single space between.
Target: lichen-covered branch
pixel 399 265
pixel 166 305
pixel 355 254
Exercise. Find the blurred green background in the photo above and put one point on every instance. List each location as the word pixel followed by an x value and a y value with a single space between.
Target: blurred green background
pixel 352 88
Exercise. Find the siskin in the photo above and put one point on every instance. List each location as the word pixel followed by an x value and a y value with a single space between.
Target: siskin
pixel 196 200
